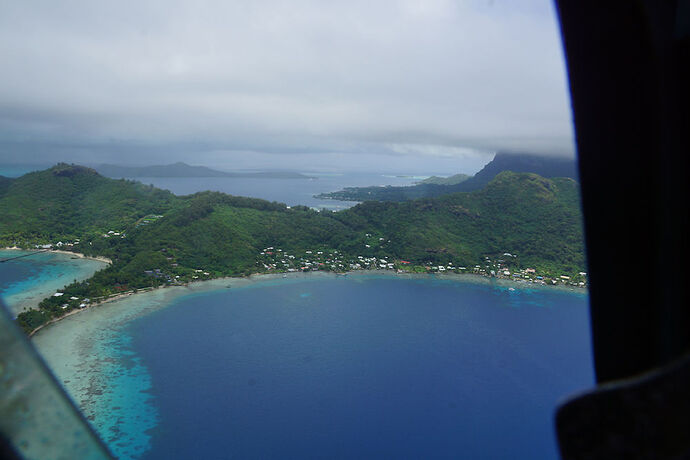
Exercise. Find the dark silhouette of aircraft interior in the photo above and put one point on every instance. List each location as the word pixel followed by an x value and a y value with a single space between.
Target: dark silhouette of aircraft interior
pixel 629 70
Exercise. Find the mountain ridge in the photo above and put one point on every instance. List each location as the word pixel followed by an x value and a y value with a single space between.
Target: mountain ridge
pixel 516 162
pixel 155 238
pixel 450 180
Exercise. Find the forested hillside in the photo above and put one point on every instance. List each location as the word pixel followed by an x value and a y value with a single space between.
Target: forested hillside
pixel 520 213
pixel 68 202
pixel 451 180
pixel 155 238
pixel 544 166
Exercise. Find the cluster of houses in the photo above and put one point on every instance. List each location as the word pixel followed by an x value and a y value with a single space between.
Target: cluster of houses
pixel 501 268
pixel 276 259
pixel 313 260
pixel 73 301
pixel 172 278
pixel 58 245
pixel 113 233
pixel 273 259
pixel 159 274
pixel 72 244
pixel 109 234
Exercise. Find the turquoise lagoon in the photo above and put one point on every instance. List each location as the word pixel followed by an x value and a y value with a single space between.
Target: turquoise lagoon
pixel 24 282
pixel 323 366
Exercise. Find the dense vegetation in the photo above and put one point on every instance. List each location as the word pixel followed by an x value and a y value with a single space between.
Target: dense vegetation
pixel 4 184
pixel 525 214
pixel 544 166
pixel 68 202
pixel 451 180
pixel 155 238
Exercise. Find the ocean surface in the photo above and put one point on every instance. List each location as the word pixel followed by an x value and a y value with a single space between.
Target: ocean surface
pixel 26 281
pixel 16 170
pixel 318 366
pixel 363 366
pixel 289 191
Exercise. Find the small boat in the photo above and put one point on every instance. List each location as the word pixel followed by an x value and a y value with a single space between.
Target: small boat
pixel 284 276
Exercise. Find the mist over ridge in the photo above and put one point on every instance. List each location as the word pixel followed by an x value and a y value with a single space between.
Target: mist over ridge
pixel 343 86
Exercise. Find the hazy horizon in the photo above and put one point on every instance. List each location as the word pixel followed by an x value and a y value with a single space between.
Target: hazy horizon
pixel 17 169
pixel 395 86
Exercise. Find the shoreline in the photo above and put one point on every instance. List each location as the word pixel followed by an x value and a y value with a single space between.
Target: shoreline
pixel 78 255
pixel 82 256
pixel 255 278
pixel 90 353
pixel 187 288
pixel 80 310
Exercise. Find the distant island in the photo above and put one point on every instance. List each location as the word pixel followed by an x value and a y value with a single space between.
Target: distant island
pixel 180 169
pixel 435 186
pixel 519 226
pixel 451 180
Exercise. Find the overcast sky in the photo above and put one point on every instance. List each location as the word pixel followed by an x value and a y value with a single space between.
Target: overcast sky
pixel 396 85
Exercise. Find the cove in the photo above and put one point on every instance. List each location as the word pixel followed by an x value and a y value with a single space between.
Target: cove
pixel 25 281
pixel 363 366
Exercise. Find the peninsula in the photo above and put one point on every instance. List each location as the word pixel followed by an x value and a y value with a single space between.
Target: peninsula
pixel 548 167
pixel 520 225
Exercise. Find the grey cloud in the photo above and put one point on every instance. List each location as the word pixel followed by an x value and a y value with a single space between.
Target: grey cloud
pixel 278 76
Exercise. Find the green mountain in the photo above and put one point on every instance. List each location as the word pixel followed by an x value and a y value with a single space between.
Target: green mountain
pixel 518 213
pixel 155 238
pixel 67 202
pixel 452 180
pixel 184 170
pixel 4 184
pixel 543 165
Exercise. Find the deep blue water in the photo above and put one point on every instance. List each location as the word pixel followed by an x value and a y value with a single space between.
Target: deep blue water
pixel 363 367
pixel 289 191
pixel 14 272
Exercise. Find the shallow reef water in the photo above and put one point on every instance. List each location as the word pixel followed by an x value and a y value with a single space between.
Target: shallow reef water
pixel 322 366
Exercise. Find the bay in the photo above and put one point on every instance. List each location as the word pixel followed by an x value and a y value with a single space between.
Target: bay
pixel 292 192
pixel 361 367
pixel 364 366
